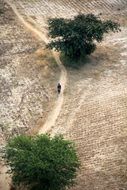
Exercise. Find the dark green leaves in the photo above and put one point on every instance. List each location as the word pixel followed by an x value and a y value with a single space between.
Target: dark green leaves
pixel 77 36
pixel 42 162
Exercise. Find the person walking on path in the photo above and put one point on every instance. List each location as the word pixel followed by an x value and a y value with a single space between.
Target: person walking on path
pixel 59 88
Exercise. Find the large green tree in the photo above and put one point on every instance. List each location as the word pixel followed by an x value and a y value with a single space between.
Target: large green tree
pixel 42 162
pixel 78 36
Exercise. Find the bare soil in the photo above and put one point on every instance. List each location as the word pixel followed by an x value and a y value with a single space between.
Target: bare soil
pixel 28 79
pixel 94 111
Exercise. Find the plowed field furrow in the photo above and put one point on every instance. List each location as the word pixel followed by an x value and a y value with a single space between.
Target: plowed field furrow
pixel 99 6
pixel 107 8
pixel 64 8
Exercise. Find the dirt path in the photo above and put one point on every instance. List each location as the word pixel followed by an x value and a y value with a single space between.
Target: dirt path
pixel 4 178
pixel 63 78
pixel 94 113
pixel 50 122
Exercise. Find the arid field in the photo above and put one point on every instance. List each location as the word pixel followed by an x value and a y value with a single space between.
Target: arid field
pixel 93 107
pixel 28 76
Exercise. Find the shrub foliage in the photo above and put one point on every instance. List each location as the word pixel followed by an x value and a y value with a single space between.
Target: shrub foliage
pixel 76 37
pixel 42 162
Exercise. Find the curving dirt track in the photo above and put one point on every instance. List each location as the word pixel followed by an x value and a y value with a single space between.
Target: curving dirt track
pixel 4 179
pixel 58 104
pixel 94 111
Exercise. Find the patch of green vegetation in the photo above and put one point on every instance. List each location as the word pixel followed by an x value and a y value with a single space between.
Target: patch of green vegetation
pixel 42 162
pixel 78 36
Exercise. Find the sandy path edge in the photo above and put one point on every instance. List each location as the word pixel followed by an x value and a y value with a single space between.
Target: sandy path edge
pixel 63 77
pixel 50 121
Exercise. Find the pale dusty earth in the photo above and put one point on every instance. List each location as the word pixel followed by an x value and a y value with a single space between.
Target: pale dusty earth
pixel 28 78
pixel 93 110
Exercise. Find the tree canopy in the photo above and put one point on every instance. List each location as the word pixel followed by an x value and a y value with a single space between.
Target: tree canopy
pixel 42 162
pixel 78 36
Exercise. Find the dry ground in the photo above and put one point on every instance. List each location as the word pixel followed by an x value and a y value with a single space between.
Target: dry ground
pixel 28 77
pixel 94 114
pixel 28 74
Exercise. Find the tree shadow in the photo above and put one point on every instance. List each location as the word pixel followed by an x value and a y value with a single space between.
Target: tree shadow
pixel 75 63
